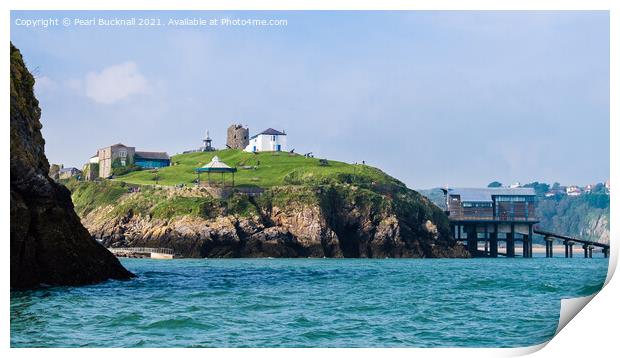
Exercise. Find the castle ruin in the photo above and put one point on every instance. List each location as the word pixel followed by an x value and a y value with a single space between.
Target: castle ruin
pixel 237 137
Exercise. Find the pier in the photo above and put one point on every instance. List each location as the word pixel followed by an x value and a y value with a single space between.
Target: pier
pixel 143 252
pixel 494 215
pixel 569 242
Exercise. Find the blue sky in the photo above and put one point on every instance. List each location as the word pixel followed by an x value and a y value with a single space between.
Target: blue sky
pixel 432 98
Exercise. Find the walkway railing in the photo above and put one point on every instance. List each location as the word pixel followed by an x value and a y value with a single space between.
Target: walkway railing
pixel 490 218
pixel 141 250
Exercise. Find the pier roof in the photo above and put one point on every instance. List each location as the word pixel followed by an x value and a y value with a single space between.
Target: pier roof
pixel 486 194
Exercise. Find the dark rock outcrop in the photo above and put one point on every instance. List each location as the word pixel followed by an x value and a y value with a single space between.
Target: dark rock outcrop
pixel 49 245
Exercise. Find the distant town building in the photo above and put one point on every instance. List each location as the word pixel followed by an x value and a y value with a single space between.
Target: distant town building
pixel 237 137
pixel 68 173
pixel 573 190
pixel 515 185
pixel 269 140
pixel 588 188
pixel 94 159
pixel 122 155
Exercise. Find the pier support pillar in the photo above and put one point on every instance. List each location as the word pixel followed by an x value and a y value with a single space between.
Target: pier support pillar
pixel 585 250
pixel 549 246
pixel 510 242
pixel 527 242
pixel 486 240
pixel 570 249
pixel 566 249
pixel 531 237
pixel 493 244
pixel 605 252
pixel 472 241
pixel 590 248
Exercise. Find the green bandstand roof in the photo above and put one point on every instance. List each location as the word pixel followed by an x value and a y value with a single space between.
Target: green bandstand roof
pixel 216 166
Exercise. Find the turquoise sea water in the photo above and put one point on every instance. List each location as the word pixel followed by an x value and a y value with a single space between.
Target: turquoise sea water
pixel 310 303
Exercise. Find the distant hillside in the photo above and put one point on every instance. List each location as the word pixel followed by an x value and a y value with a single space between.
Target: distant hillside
pixel 585 216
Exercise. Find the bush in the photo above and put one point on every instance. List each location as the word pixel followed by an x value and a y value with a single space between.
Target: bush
pixel 122 170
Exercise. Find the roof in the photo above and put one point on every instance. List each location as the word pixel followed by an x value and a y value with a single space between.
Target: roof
pixel 269 131
pixel 65 170
pixel 486 194
pixel 152 155
pixel 215 165
pixel 115 145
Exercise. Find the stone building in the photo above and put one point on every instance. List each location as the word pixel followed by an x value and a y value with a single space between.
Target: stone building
pixel 237 137
pixel 108 155
pixel 90 171
pixel 123 155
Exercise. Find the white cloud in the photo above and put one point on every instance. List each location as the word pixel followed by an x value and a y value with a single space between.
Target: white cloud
pixel 115 83
pixel 43 84
pixel 75 85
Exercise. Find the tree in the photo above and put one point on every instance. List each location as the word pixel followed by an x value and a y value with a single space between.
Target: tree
pixel 598 188
pixel 494 184
pixel 539 188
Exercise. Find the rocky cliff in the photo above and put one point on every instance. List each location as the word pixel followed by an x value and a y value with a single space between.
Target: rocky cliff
pixel 333 220
pixel 49 245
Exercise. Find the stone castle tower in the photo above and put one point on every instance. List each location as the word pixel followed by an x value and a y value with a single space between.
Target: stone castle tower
pixel 237 137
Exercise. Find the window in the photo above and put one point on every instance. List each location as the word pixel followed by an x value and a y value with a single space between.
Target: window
pixel 514 198
pixel 122 153
pixel 273 138
pixel 476 204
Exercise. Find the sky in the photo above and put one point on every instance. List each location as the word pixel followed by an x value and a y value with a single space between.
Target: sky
pixel 433 98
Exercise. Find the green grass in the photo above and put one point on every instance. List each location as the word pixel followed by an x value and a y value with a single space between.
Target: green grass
pixel 94 194
pixel 273 169
pixel 288 180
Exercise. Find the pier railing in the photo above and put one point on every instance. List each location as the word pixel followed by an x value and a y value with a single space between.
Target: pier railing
pixel 141 250
pixel 503 218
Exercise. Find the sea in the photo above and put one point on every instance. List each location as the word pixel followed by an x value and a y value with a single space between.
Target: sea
pixel 482 302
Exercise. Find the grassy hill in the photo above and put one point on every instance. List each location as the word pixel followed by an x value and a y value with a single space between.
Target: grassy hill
pixel 268 169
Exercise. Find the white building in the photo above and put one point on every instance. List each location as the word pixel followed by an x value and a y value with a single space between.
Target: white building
pixel 269 140
pixel 573 190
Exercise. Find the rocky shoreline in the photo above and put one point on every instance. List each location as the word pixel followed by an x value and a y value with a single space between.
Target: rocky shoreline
pixel 334 222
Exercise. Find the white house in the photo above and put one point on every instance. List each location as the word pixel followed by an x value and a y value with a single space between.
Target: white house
pixel 573 190
pixel 269 140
